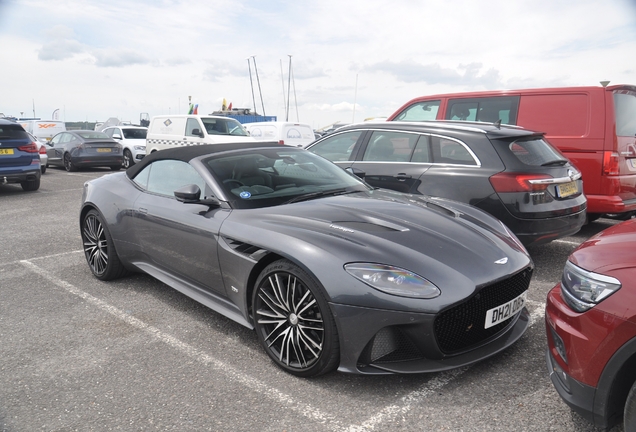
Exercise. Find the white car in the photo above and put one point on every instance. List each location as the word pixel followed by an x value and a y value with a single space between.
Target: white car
pixel 133 138
pixel 44 158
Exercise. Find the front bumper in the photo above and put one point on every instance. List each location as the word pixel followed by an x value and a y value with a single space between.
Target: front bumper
pixel 380 342
pixel 578 396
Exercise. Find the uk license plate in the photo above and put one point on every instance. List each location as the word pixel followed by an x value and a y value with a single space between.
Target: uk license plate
pixel 505 311
pixel 567 189
pixel 103 150
pixel 6 151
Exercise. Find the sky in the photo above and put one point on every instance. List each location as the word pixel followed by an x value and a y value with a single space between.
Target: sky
pixel 350 60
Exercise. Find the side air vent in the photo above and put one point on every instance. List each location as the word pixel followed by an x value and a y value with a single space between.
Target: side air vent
pixel 242 247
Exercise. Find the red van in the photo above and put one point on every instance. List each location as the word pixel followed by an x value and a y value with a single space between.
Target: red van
pixel 594 127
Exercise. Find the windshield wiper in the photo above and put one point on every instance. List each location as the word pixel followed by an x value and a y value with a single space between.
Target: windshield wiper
pixel 559 162
pixel 320 194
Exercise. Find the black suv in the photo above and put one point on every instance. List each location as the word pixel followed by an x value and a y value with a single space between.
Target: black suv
pixel 19 157
pixel 512 173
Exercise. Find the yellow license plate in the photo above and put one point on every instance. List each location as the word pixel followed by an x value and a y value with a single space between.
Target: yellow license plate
pixel 6 151
pixel 103 150
pixel 567 189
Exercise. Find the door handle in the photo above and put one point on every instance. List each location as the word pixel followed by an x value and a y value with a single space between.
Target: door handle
pixel 143 210
pixel 403 176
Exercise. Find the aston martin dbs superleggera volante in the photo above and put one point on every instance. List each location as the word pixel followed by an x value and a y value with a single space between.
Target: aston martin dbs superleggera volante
pixel 330 272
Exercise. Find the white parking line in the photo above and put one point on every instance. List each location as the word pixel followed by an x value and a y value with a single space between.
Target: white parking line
pixel 253 384
pixel 329 421
pixel 390 412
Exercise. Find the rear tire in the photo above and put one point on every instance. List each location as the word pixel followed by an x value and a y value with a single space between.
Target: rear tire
pixel 629 415
pixel 43 169
pixel 99 248
pixel 68 164
pixel 31 185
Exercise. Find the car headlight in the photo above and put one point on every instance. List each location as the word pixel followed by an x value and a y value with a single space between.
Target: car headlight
pixel 393 280
pixel 140 148
pixel 582 289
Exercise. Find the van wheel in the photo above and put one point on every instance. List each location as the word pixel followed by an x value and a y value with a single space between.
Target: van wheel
pixel 629 415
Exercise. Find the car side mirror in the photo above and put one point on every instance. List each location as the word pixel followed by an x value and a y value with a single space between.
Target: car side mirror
pixel 197 132
pixel 116 136
pixel 191 194
pixel 356 172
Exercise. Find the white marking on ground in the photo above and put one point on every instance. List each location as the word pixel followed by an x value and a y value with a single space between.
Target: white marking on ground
pixel 537 313
pixel 194 353
pixel 390 412
pixel 567 242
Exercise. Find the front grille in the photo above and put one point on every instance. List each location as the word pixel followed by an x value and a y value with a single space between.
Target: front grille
pixel 462 327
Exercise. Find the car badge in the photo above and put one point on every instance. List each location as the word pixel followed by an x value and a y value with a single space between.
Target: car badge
pixel 245 195
pixel 570 173
pixel 502 261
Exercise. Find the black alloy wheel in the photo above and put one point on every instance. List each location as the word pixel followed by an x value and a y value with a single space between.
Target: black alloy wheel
pixel 68 164
pixel 99 248
pixel 293 321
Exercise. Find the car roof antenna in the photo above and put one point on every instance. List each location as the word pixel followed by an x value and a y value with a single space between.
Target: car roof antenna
pixel 498 124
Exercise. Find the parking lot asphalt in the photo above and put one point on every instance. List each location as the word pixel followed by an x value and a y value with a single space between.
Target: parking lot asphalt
pixel 135 355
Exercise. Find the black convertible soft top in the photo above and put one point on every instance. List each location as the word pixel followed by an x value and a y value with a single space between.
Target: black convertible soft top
pixel 187 153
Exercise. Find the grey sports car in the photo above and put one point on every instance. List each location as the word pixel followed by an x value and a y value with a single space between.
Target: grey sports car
pixel 330 272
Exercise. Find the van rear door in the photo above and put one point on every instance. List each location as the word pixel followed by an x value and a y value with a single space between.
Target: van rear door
pixel 625 116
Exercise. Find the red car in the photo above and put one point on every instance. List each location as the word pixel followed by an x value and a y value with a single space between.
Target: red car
pixel 591 328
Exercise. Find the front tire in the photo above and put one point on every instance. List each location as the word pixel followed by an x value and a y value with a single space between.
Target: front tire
pixel 128 159
pixel 629 415
pixel 293 321
pixel 99 248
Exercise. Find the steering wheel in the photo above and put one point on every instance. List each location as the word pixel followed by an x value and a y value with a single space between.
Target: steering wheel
pixel 234 182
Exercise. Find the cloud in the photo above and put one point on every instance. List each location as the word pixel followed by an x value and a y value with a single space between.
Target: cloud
pixel 61 45
pixel 413 72
pixel 119 58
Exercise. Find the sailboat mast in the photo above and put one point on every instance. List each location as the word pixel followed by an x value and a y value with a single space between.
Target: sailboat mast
pixel 249 68
pixel 259 84
pixel 288 88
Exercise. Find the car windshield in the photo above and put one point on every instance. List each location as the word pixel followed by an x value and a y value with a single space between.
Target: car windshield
pixel 93 135
pixel 258 178
pixel 135 133
pixel 223 126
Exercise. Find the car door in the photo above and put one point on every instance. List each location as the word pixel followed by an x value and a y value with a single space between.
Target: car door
pixel 55 148
pixel 179 238
pixel 457 172
pixel 394 160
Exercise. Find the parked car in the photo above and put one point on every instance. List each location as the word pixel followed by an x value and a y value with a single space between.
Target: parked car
pixel 295 134
pixel 19 159
pixel 84 149
pixel 329 272
pixel 44 158
pixel 593 126
pixel 512 173
pixel 133 138
pixel 591 328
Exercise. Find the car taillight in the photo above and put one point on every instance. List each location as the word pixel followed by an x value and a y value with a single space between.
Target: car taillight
pixel 514 182
pixel 42 150
pixel 610 163
pixel 29 148
pixel 281 142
